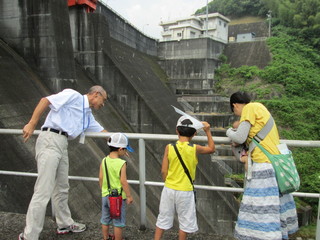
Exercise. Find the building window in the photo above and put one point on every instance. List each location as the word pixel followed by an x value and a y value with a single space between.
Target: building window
pixel 220 22
pixel 192 34
pixel 179 34
pixel 225 25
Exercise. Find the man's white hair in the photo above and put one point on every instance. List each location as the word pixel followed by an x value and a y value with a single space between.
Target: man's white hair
pixel 97 88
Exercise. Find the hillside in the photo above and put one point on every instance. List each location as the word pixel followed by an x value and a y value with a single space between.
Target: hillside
pixel 289 86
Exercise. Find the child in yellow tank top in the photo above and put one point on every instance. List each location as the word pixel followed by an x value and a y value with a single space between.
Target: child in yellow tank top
pixel 177 193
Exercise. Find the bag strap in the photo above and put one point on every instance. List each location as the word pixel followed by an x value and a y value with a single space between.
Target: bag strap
pixel 109 188
pixel 261 148
pixel 105 166
pixel 182 163
pixel 258 138
pixel 262 133
pixel 265 130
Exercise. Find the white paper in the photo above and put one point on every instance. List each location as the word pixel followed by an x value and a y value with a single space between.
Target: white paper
pixel 197 124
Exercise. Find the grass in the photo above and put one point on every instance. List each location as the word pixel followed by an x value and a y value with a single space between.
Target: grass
pixel 306 232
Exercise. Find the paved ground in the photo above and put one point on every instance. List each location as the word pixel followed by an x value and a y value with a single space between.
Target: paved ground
pixel 11 224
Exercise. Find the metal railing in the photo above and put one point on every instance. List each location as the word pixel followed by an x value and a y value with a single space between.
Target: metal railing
pixel 142 137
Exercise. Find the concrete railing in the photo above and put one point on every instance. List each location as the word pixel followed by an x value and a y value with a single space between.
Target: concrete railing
pixel 142 182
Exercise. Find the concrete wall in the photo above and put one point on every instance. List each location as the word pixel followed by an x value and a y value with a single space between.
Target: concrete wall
pixel 139 102
pixel 126 110
pixel 259 28
pixel 40 32
pixel 190 49
pixel 129 75
pixel 123 31
pixel 248 53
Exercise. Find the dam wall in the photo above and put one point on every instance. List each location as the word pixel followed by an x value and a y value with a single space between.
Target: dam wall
pixel 40 32
pixel 46 47
pixel 125 32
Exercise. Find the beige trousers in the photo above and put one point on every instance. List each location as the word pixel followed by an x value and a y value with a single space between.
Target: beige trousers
pixel 52 182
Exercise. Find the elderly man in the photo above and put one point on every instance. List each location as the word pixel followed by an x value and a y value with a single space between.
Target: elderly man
pixel 70 115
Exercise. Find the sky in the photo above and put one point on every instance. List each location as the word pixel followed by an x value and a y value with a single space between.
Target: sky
pixel 147 14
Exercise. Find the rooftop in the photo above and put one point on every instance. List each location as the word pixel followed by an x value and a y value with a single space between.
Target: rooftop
pixel 195 17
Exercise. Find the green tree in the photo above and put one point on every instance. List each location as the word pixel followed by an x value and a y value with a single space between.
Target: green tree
pixel 235 7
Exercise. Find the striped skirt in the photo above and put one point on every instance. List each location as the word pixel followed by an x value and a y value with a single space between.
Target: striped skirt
pixel 264 213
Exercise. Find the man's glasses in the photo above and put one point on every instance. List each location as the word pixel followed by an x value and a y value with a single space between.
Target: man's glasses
pixel 104 98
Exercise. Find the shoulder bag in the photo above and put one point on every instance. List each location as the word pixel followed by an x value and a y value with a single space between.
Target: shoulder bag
pixel 115 198
pixel 285 169
pixel 283 164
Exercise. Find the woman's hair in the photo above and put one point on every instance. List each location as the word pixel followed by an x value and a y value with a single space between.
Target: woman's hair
pixel 239 97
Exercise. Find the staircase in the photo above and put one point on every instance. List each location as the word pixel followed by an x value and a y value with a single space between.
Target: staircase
pixel 214 109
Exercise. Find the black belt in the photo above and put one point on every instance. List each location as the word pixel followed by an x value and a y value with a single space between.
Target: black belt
pixel 55 131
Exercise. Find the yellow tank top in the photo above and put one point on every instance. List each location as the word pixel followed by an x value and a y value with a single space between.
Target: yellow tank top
pixel 177 179
pixel 258 115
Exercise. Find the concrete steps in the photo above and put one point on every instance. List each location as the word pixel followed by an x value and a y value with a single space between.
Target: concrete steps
pixel 215 110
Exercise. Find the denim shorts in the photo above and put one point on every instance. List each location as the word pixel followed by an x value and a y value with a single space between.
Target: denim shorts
pixel 105 217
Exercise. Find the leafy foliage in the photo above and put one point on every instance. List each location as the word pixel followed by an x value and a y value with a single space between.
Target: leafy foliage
pixel 290 85
pixel 292 76
pixel 235 7
pixel 296 120
pixel 294 65
pixel 302 15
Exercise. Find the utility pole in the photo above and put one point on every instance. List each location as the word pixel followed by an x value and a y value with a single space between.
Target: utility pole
pixel 144 26
pixel 207 40
pixel 269 19
pixel 207 20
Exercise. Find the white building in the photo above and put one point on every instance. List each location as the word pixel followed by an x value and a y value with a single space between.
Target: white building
pixel 245 37
pixel 196 27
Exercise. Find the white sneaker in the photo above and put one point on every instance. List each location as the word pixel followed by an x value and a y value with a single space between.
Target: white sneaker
pixel 75 227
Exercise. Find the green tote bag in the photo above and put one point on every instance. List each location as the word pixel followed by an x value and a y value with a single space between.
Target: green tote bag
pixel 285 169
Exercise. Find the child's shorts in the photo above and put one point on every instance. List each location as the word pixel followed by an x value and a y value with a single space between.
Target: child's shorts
pixel 184 203
pixel 105 217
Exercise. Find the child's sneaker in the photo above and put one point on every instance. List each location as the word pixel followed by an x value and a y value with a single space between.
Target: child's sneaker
pixel 75 227
pixel 21 237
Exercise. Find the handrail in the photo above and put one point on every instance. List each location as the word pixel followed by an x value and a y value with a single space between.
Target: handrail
pixel 165 137
pixel 158 184
pixel 171 137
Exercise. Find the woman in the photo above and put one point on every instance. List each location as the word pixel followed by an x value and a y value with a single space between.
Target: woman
pixel 264 213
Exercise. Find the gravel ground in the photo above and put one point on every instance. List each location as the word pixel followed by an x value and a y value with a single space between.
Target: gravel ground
pixel 12 224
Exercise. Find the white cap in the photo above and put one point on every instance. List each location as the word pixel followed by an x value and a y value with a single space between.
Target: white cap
pixel 119 140
pixel 195 122
pixel 184 121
